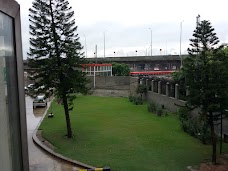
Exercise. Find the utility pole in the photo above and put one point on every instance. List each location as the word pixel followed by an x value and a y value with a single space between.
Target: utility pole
pixel 180 42
pixel 151 42
pixel 96 53
pixel 104 44
pixel 85 47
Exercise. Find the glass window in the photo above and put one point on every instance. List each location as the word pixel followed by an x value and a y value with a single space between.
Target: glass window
pixel 10 144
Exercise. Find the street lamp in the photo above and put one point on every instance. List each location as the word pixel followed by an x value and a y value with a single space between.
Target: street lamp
pixel 180 42
pixel 136 52
pixel 114 54
pixel 85 46
pixel 104 44
pixel 151 40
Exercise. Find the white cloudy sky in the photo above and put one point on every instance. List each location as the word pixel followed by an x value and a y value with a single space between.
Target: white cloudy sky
pixel 126 24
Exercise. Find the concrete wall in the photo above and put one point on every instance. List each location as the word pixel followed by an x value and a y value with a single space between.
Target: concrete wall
pixel 134 81
pixel 111 83
pixel 169 103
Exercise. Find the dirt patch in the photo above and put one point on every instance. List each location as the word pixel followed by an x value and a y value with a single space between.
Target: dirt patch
pixel 221 166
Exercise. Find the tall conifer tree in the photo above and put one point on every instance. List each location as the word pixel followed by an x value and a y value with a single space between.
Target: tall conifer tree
pixel 206 76
pixel 55 52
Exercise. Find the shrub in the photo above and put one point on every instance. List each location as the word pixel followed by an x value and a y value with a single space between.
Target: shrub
pixel 141 88
pixel 137 100
pixel 194 126
pixel 205 134
pixel 131 98
pixel 165 112
pixel 152 107
pixel 184 114
pixel 159 111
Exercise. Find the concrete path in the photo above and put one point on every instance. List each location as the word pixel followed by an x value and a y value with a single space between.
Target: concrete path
pixel 38 159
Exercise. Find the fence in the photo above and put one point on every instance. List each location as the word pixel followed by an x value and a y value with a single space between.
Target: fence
pixel 162 92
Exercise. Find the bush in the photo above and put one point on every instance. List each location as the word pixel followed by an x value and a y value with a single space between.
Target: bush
pixel 159 111
pixel 152 107
pixel 184 114
pixel 131 98
pixel 137 100
pixel 193 126
pixel 205 134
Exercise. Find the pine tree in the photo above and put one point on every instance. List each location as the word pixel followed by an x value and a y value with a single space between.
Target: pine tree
pixel 55 52
pixel 206 76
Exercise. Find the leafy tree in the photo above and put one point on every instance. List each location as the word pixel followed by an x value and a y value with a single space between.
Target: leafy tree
pixel 141 88
pixel 206 75
pixel 226 50
pixel 55 52
pixel 120 69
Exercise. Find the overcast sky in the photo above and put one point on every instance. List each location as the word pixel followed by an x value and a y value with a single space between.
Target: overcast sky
pixel 126 23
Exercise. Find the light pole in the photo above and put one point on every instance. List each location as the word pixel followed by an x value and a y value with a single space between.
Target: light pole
pixel 136 52
pixel 151 41
pixel 104 44
pixel 85 46
pixel 180 42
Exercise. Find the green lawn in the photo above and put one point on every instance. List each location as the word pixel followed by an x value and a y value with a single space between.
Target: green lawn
pixel 113 132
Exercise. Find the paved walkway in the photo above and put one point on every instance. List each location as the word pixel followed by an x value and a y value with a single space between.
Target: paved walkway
pixel 38 159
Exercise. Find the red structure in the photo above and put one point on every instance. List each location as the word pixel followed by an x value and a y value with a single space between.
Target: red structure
pixel 97 69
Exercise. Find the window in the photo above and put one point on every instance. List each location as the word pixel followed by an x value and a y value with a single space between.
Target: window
pixel 10 146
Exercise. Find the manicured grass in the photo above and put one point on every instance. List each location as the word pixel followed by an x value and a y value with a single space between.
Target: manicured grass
pixel 113 132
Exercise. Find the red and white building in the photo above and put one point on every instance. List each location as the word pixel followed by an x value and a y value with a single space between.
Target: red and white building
pixel 97 69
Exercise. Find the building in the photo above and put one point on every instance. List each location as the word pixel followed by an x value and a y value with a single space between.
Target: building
pixel 97 69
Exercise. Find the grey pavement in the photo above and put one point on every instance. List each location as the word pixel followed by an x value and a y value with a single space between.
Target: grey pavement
pixel 38 159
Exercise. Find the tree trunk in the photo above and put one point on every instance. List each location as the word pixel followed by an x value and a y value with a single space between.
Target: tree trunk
pixel 213 138
pixel 221 133
pixel 67 116
pixel 61 76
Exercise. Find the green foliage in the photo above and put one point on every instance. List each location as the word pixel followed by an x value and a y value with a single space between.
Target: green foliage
pixel 55 51
pixel 178 75
pixel 206 75
pixel 152 107
pixel 120 69
pixel 137 100
pixel 131 98
pixel 206 69
pixel 160 111
pixel 226 50
pixel 141 88
pixel 193 126
pixel 112 132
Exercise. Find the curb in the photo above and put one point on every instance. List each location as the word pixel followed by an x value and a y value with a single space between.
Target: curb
pixel 51 152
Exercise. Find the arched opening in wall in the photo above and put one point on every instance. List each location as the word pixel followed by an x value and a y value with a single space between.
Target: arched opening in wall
pixel 163 87
pixel 155 86
pixel 172 89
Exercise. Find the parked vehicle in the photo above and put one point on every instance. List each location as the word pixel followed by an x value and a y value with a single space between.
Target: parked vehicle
pixel 26 90
pixel 40 101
